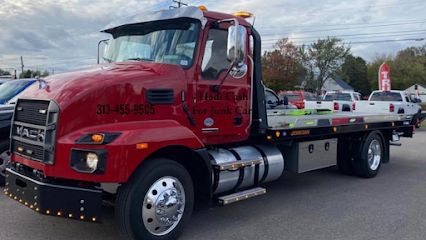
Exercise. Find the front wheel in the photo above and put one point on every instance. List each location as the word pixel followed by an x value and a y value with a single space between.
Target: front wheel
pixel 4 160
pixel 157 202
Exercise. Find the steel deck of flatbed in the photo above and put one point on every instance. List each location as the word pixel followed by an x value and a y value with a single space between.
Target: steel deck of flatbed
pixel 278 120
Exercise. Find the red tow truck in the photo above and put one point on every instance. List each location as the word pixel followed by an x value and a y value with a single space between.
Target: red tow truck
pixel 176 116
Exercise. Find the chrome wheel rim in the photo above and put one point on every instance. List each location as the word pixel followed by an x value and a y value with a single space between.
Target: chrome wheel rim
pixel 4 159
pixel 163 206
pixel 374 154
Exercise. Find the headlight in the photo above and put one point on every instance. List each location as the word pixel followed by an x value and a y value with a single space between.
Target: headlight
pixel 88 161
pixel 92 161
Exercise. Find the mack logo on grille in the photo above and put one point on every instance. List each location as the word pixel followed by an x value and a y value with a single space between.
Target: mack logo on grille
pixel 32 134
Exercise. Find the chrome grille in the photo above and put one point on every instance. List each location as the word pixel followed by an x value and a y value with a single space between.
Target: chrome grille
pixel 33 130
pixel 32 111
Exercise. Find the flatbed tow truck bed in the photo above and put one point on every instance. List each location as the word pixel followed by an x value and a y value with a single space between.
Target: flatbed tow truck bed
pixel 284 125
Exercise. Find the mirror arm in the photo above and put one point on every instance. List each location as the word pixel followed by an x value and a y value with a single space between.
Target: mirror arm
pixel 216 88
pixel 99 46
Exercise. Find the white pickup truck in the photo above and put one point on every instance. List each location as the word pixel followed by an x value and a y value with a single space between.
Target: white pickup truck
pixel 393 101
pixel 336 100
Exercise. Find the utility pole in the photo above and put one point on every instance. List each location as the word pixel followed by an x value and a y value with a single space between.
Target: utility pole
pixel 179 4
pixel 22 65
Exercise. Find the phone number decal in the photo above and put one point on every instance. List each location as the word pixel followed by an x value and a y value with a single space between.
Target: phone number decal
pixel 125 109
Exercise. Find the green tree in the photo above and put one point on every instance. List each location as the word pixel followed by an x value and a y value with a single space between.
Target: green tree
pixel 322 61
pixel 281 69
pixel 408 67
pixel 3 72
pixel 354 72
pixel 31 74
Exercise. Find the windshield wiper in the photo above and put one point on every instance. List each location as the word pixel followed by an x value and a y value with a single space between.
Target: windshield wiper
pixel 140 59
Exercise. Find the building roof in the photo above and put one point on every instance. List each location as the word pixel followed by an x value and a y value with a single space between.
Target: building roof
pixel 339 81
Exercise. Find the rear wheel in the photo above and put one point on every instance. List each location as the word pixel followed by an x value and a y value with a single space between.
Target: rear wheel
pixel 157 202
pixel 4 159
pixel 370 158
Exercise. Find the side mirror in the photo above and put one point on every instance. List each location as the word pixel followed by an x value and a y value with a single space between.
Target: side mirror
pixel 285 100
pixel 237 49
pixel 105 42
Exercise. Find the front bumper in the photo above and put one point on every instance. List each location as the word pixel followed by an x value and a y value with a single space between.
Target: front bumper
pixel 52 199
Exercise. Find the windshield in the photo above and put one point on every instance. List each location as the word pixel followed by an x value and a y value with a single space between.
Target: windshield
pixel 292 97
pixel 386 96
pixel 167 42
pixel 337 97
pixel 9 89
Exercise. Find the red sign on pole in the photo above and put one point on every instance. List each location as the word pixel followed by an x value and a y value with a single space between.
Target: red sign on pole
pixel 384 77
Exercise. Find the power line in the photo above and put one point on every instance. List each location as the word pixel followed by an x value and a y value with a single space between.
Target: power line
pixel 356 27
pixel 400 21
pixel 351 35
pixel 371 6
pixel 178 3
pixel 363 42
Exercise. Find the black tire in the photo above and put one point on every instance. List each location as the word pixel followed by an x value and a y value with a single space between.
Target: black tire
pixel 361 164
pixel 4 147
pixel 130 200
pixel 344 157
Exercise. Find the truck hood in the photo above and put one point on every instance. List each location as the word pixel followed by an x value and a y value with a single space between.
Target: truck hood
pixel 81 95
pixel 67 88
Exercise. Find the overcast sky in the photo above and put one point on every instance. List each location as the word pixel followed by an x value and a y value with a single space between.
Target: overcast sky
pixel 61 35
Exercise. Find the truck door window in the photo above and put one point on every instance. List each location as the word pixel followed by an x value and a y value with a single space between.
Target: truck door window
pixel 215 61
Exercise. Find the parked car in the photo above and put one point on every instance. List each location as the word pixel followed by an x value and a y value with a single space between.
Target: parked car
pixel 6 112
pixel 336 100
pixel 3 80
pixel 394 101
pixel 12 88
pixel 273 101
pixel 298 98
pixel 9 92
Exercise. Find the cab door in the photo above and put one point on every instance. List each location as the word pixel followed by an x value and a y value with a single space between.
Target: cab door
pixel 221 105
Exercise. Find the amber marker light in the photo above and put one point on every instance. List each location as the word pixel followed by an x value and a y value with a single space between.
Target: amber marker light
pixel 142 146
pixel 243 14
pixel 203 8
pixel 277 134
pixel 97 138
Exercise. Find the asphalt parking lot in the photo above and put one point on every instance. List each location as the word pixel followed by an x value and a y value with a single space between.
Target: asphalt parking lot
pixel 317 205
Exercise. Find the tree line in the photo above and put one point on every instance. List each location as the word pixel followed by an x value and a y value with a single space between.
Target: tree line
pixel 307 67
pixel 27 73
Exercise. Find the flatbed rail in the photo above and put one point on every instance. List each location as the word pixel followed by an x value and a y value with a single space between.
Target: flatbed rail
pixel 286 127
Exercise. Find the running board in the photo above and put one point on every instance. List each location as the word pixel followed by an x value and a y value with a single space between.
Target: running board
pixel 395 144
pixel 231 166
pixel 243 195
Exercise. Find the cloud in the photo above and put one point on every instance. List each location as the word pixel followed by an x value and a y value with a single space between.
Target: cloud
pixel 63 34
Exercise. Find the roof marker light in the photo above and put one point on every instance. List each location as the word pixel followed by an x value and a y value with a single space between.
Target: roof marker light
pixel 202 8
pixel 243 14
